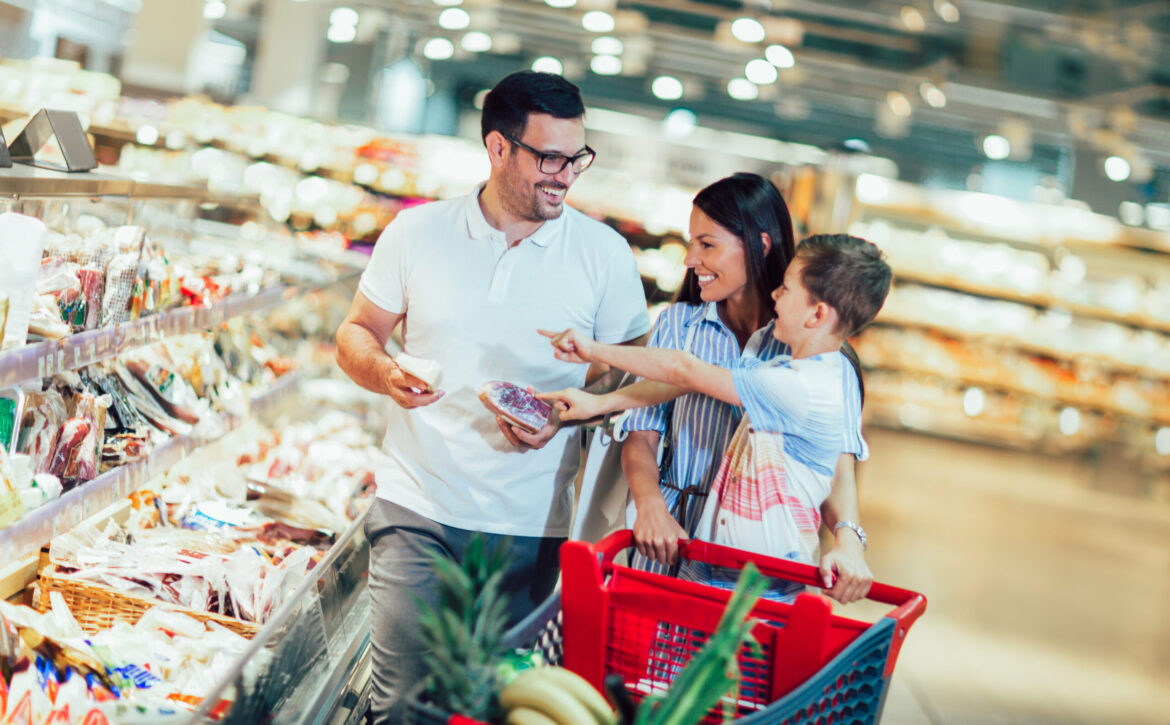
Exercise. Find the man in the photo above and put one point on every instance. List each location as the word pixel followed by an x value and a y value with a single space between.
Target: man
pixel 472 279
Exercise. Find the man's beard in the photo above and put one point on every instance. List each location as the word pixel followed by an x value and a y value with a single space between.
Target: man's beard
pixel 525 202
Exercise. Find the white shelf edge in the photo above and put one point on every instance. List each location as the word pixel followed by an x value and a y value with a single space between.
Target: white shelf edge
pixel 38 360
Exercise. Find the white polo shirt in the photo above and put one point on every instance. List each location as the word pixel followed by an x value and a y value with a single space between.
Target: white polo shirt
pixel 475 305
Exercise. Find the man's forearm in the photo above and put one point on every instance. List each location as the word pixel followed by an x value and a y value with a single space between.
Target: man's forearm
pixel 363 358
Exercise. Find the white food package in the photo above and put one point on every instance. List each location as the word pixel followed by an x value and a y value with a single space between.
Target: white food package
pixel 22 241
pixel 425 370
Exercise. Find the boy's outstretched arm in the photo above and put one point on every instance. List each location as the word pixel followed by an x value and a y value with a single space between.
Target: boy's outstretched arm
pixel 575 405
pixel 673 367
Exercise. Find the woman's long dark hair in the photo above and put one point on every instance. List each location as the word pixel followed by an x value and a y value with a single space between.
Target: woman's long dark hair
pixel 748 205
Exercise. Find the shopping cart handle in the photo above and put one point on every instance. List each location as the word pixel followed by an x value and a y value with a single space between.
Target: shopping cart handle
pixel 719 555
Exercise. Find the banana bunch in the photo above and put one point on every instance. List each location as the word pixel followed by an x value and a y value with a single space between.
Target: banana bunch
pixel 553 696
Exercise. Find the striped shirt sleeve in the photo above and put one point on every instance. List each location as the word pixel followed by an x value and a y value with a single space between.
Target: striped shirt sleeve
pixel 666 333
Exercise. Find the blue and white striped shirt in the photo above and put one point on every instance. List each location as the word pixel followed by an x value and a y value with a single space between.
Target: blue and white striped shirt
pixel 701 427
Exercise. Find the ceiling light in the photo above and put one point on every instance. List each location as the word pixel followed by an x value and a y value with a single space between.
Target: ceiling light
pixel 748 30
pixel 679 122
pixel 932 94
pixel 214 10
pixel 476 41
pixel 548 64
pixel 448 3
pixel 899 103
pixel 856 144
pixel 946 10
pixel 560 3
pixel 454 19
pixel 760 72
pixel 606 65
pixel 438 49
pixel 779 56
pixel 598 21
pixel 741 89
pixel 343 16
pixel 341 33
pixel 996 147
pixel 607 45
pixel 668 88
pixel 1116 168
pixel 913 19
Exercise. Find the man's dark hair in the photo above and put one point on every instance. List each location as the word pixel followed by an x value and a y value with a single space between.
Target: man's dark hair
pixel 748 205
pixel 506 107
pixel 848 274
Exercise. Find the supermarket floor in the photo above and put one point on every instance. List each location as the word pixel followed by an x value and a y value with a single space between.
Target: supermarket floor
pixel 1049 600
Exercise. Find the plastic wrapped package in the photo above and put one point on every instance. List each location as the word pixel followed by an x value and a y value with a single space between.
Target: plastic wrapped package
pixel 44 415
pixel 122 274
pixel 22 240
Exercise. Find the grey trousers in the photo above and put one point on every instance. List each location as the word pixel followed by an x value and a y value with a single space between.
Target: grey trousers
pixel 400 540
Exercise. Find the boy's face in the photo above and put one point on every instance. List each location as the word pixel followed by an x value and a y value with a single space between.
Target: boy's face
pixel 793 306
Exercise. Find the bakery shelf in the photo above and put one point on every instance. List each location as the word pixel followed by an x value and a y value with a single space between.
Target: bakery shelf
pixel 991 382
pixel 42 359
pixel 30 182
pixel 1106 361
pixel 1045 301
pixel 27 535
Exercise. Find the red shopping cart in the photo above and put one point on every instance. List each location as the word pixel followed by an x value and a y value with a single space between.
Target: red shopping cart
pixel 812 666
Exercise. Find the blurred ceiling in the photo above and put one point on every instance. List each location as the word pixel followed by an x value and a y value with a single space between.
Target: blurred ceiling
pixel 1072 78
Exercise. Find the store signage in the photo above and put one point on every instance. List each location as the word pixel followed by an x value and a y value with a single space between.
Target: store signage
pixel 65 126
pixel 5 157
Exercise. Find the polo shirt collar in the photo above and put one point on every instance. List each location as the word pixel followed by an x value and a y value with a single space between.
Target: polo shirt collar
pixel 479 228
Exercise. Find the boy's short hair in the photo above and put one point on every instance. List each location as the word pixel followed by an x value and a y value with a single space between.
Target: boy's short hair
pixel 847 273
pixel 506 107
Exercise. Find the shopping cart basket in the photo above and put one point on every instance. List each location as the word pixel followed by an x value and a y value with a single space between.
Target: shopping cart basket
pixel 811 667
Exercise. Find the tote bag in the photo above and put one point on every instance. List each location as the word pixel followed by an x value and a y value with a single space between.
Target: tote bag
pixel 750 505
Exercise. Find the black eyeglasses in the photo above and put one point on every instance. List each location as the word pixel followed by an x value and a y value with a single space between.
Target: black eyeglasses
pixel 556 163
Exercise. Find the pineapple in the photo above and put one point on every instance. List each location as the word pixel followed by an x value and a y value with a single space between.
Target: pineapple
pixel 465 632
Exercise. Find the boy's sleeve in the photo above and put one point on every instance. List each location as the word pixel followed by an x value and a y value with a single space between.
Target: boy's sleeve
pixel 775 397
pixel 384 280
pixel 854 441
pixel 621 311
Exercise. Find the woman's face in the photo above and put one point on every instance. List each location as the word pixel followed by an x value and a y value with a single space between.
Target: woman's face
pixel 717 258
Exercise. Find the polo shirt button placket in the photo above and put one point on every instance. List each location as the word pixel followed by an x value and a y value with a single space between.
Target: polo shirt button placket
pixel 502 272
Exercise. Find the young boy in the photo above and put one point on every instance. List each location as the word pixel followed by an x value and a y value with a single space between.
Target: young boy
pixel 778 470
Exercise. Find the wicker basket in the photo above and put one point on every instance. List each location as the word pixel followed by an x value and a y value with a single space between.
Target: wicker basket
pixel 96 606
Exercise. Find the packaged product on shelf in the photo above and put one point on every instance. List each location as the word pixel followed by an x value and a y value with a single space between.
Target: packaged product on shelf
pixel 22 240
pixel 122 274
pixel 11 505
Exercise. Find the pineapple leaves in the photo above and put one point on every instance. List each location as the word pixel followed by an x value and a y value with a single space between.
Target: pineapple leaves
pixel 464 633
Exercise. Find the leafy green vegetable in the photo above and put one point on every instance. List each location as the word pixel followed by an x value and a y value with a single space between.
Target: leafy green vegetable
pixel 714 671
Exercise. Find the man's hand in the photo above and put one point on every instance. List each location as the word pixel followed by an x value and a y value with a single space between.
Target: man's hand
pixel 853 575
pixel 571 345
pixel 405 389
pixel 656 533
pixel 574 404
pixel 522 438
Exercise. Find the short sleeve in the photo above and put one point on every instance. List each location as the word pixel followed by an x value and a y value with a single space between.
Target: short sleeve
pixel 854 441
pixel 775 397
pixel 621 311
pixel 384 280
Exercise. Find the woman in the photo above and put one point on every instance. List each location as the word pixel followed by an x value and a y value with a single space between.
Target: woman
pixel 741 244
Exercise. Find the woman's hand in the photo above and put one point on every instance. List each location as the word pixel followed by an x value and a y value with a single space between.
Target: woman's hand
pixel 847 559
pixel 574 404
pixel 571 345
pixel 656 533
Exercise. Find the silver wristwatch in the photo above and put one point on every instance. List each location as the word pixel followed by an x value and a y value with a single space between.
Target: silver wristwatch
pixel 856 529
